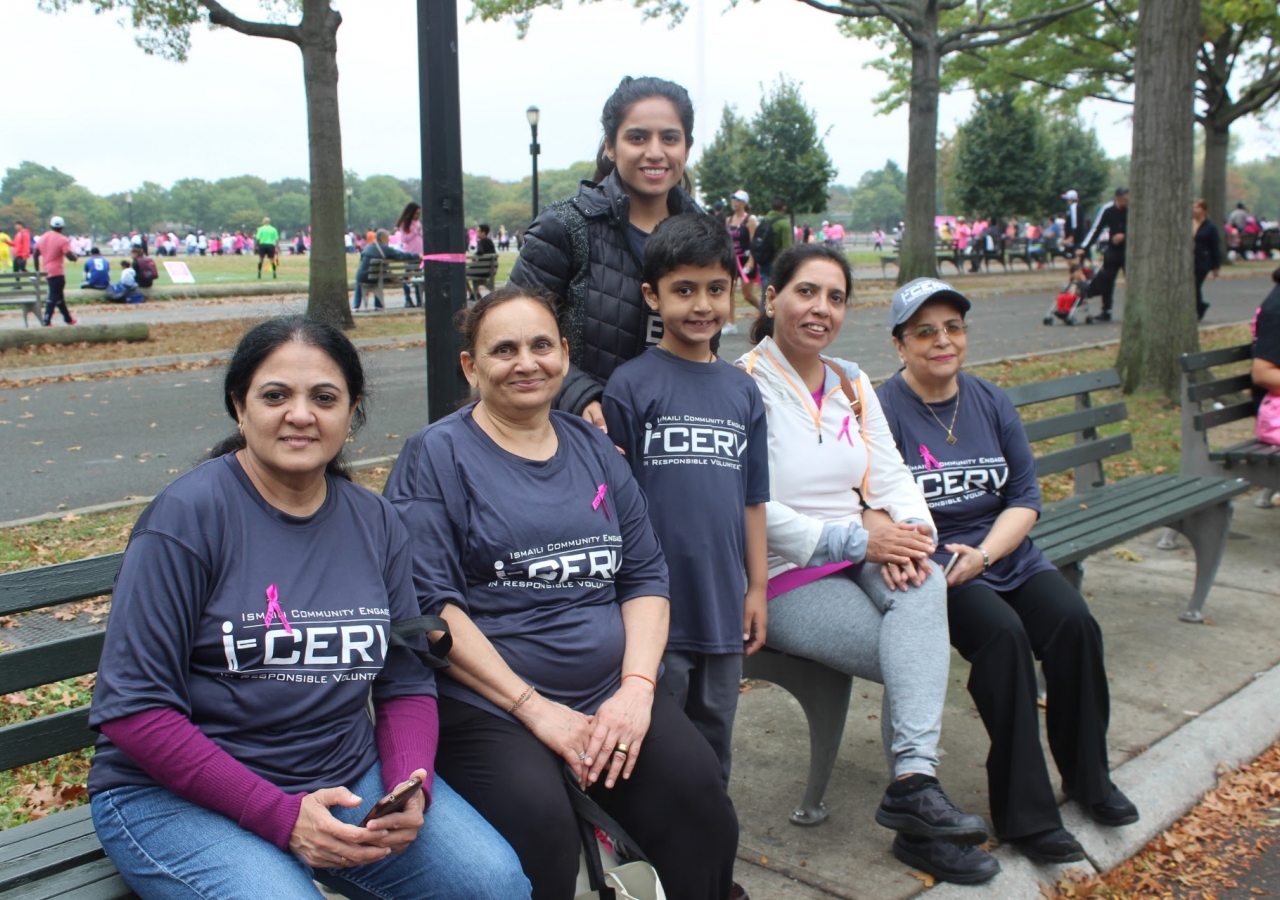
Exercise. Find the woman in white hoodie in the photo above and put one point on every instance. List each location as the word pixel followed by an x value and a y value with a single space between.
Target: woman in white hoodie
pixel 850 582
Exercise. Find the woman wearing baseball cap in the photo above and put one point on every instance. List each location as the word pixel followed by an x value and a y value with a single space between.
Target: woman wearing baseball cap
pixel 1006 603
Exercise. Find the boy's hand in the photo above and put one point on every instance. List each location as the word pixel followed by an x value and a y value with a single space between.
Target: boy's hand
pixel 755 617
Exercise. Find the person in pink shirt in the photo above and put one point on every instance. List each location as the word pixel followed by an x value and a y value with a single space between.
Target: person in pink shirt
pixel 409 235
pixel 52 251
pixel 21 247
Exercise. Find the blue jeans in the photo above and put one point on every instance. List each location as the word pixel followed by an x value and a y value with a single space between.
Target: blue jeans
pixel 765 271
pixel 168 848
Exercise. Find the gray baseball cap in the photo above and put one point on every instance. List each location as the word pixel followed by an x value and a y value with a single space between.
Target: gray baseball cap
pixel 915 294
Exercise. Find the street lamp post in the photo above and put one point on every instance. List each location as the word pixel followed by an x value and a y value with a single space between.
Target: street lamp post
pixel 350 191
pixel 128 198
pixel 532 115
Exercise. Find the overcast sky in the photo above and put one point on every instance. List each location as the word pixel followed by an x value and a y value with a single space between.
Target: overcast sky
pixel 237 107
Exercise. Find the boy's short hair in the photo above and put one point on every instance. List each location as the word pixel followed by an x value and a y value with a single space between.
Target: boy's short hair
pixel 124 263
pixel 689 239
pixel 483 228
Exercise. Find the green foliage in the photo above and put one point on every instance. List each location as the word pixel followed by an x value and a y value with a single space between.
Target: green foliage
pixel 1257 183
pixel 777 153
pixel 879 198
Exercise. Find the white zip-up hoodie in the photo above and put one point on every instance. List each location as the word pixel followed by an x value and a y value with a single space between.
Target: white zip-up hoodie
pixel 820 463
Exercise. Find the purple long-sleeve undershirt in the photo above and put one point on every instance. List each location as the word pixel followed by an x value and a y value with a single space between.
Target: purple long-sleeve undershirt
pixel 182 759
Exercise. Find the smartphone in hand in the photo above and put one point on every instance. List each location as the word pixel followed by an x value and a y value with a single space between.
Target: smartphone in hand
pixel 951 564
pixel 393 802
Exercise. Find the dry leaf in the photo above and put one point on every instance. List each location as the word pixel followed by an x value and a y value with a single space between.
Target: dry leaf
pixel 929 880
pixel 70 517
pixel 72 449
pixel 1126 554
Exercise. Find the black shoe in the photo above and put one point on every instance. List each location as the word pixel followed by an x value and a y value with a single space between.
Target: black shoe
pixel 1102 317
pixel 1054 846
pixel 738 892
pixel 918 806
pixel 944 861
pixel 1115 811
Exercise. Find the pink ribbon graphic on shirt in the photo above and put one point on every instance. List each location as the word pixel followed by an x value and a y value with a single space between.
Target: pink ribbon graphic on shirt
pixel 273 609
pixel 599 501
pixel 930 461
pixel 844 432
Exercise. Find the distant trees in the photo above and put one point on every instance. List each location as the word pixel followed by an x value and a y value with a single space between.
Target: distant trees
pixel 878 199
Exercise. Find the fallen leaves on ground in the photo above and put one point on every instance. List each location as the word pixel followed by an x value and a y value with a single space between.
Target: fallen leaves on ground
pixel 1207 851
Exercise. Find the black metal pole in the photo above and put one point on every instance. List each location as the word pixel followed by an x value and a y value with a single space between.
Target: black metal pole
pixel 444 283
pixel 131 217
pixel 534 150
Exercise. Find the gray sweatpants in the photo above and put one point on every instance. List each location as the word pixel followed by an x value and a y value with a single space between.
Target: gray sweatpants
pixel 706 686
pixel 897 638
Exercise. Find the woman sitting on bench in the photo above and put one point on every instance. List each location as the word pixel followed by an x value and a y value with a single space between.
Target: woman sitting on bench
pixel 1005 600
pixel 850 586
pixel 251 618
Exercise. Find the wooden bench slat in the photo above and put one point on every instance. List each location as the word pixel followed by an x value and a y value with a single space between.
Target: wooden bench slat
pixel 1098 502
pixel 1082 454
pixel 1214 417
pixel 1194 362
pixel 1069 423
pixel 1208 390
pixel 29 667
pixel 22 840
pixel 62 583
pixel 51 859
pixel 1069 386
pixel 45 737
pixel 1248 452
pixel 97 880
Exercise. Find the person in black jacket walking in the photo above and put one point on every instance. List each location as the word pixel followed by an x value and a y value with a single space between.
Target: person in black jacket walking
pixel 1073 224
pixel 589 250
pixel 1114 219
pixel 1208 252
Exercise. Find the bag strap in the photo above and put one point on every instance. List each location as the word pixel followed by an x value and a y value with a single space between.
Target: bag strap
pixel 846 387
pixel 590 817
pixel 437 652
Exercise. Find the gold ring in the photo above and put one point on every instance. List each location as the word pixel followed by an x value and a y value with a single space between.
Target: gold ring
pixel 343 859
pixel 622 748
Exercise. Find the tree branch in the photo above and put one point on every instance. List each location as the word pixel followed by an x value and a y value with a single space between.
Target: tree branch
pixel 953 40
pixel 220 15
pixel 865 9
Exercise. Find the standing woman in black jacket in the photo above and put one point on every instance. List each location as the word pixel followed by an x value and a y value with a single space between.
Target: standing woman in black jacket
pixel 589 250
pixel 1208 252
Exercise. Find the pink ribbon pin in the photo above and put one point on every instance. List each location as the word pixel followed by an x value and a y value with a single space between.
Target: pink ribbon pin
pixel 930 461
pixel 844 432
pixel 273 609
pixel 599 501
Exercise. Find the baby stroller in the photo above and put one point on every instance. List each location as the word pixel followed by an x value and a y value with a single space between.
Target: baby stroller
pixel 1073 301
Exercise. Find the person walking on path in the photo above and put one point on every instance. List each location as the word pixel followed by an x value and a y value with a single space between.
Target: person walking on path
pixel 21 247
pixel 1007 605
pixel 589 250
pixel 778 236
pixel 53 250
pixel 742 226
pixel 1113 219
pixel 1208 252
pixel 409 231
pixel 267 238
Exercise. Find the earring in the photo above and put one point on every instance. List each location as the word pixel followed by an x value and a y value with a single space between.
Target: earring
pixel 768 311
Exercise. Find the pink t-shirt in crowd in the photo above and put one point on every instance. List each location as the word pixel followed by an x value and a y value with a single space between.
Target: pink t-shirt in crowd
pixel 411 240
pixel 53 248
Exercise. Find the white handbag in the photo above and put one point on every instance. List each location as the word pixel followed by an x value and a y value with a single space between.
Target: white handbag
pixel 600 873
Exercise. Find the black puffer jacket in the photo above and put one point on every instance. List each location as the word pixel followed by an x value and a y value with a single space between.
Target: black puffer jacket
pixel 605 317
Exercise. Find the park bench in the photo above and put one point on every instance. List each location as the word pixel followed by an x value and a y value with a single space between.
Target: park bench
pixel 384 273
pixel 1097 516
pixel 25 289
pixel 1252 460
pixel 944 251
pixel 482 269
pixel 978 252
pixel 1269 241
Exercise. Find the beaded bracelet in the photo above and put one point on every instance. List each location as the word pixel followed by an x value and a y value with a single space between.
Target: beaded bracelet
pixel 528 692
pixel 645 677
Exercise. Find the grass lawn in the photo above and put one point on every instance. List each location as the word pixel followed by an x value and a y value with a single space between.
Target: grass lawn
pixel 189 337
pixel 37 789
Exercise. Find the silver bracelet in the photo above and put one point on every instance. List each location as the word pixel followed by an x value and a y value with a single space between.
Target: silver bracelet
pixel 986 557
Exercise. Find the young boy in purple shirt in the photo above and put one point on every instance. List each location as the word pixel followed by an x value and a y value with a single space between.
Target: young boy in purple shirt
pixel 693 429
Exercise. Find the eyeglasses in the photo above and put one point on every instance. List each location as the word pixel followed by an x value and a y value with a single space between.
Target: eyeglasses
pixel 952 330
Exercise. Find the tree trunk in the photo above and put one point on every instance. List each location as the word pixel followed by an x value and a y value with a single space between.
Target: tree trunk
pixel 1159 313
pixel 918 256
pixel 1213 186
pixel 328 292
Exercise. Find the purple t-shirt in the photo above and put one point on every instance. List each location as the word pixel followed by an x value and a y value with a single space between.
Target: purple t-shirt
pixel 696 437
pixel 525 550
pixel 968 484
pixel 189 627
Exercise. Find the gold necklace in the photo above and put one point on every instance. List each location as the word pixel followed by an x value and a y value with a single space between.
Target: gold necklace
pixel 951 438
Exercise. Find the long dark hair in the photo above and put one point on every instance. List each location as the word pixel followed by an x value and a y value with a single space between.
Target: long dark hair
pixel 629 92
pixel 785 267
pixel 264 339
pixel 406 217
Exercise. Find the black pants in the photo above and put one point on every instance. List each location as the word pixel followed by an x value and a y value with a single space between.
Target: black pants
pixel 19 264
pixel 57 287
pixel 1201 306
pixel 674 805
pixel 1104 283
pixel 998 633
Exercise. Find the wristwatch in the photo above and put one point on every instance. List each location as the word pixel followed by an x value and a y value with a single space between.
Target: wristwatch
pixel 986 557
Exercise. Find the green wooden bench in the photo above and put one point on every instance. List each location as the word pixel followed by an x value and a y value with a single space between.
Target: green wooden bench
pixel 482 270
pixel 1252 460
pixel 393 273
pixel 58 856
pixel 1099 515
pixel 25 289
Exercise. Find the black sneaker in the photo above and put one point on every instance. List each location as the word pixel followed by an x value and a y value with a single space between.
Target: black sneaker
pixel 944 861
pixel 917 806
pixel 1054 846
pixel 738 892
pixel 1115 811
pixel 1102 317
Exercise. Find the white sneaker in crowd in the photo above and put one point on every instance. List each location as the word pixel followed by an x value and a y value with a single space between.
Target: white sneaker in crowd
pixel 1262 499
pixel 729 329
